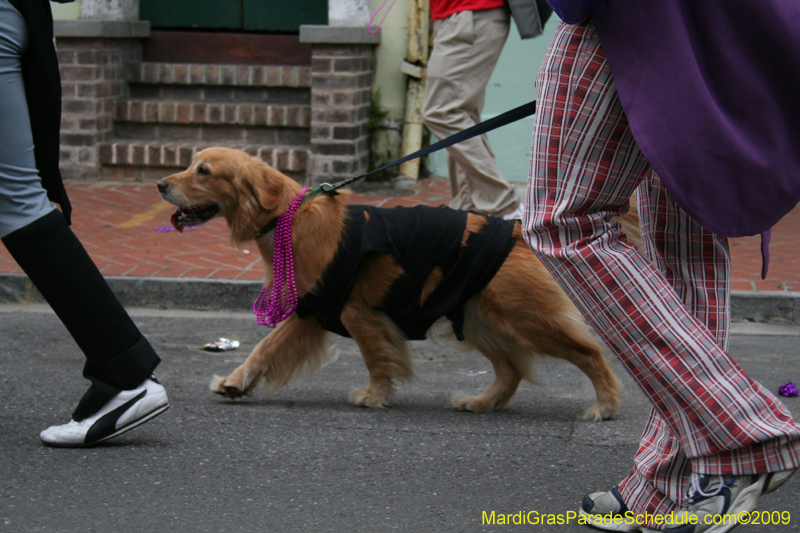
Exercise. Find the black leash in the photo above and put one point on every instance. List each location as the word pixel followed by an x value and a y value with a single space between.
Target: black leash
pixel 478 129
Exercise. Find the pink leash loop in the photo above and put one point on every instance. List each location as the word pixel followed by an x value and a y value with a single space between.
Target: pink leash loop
pixel 276 304
pixel 369 25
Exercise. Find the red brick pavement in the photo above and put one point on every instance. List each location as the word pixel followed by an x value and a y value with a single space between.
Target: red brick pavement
pixel 784 260
pixel 118 224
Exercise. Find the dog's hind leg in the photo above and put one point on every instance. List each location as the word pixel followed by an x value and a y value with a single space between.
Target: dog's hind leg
pixel 296 343
pixel 527 312
pixel 385 353
pixel 570 340
pixel 552 326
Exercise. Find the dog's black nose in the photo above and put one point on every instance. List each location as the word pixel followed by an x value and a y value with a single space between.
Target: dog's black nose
pixel 162 186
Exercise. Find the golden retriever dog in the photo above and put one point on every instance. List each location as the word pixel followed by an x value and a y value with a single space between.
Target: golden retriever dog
pixel 518 313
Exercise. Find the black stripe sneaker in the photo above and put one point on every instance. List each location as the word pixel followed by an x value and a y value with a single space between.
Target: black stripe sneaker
pixel 123 412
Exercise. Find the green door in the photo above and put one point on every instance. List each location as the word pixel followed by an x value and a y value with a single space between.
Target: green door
pixel 248 15
pixel 283 15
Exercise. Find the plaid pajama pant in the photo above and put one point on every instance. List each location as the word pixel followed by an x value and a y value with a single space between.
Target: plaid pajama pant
pixel 664 313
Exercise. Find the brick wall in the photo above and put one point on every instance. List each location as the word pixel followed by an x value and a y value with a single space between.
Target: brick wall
pixel 93 73
pixel 174 110
pixel 124 118
pixel 341 78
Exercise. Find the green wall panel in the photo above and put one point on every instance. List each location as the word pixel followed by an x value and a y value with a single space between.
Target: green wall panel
pixel 250 15
pixel 283 15
pixel 192 13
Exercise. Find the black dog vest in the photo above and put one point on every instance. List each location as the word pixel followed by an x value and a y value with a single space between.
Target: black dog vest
pixel 419 238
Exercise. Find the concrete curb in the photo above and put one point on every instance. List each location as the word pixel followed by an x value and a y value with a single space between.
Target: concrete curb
pixel 232 295
pixel 777 307
pixel 159 293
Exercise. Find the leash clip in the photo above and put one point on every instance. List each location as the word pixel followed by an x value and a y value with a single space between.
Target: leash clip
pixel 327 188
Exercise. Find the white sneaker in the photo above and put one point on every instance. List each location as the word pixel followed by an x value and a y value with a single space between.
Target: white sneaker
pixel 516 214
pixel 123 412
pixel 715 502
pixel 709 496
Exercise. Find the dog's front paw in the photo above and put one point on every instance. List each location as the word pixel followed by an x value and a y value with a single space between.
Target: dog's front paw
pixel 231 386
pixel 601 411
pixel 367 398
pixel 473 404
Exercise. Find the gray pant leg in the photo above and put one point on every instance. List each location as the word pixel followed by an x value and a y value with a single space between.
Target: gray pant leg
pixel 22 197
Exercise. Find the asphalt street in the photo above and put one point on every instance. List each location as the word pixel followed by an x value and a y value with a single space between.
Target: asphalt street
pixel 302 458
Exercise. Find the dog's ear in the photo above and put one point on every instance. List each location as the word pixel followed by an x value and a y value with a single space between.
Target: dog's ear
pixel 256 178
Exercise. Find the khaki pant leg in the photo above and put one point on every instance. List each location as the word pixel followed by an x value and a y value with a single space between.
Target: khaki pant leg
pixel 466 48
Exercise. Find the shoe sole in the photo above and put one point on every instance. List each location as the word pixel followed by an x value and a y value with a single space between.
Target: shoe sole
pixel 132 425
pixel 623 528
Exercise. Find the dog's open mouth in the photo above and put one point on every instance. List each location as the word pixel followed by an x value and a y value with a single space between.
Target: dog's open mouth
pixel 191 216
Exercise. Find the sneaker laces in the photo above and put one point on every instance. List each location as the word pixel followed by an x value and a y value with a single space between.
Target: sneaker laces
pixel 696 489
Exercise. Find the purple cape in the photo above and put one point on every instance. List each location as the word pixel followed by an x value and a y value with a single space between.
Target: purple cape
pixel 712 92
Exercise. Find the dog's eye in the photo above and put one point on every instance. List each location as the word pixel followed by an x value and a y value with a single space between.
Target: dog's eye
pixel 203 171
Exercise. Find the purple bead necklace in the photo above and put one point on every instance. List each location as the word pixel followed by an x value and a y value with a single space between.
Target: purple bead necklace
pixel 277 303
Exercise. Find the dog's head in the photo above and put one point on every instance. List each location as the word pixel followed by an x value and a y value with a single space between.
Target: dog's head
pixel 228 183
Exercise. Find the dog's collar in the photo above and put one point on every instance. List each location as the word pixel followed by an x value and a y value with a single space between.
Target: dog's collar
pixel 325 188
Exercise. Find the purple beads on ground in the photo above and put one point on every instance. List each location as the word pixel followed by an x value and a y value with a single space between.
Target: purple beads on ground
pixel 788 390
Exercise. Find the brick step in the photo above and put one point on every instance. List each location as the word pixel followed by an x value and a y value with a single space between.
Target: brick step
pixel 225 94
pixel 221 75
pixel 137 153
pixel 202 113
pixel 211 134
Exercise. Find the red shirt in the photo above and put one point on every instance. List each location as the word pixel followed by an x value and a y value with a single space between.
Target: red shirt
pixel 444 8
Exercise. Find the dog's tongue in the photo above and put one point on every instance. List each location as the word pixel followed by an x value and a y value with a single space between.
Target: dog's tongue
pixel 175 219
